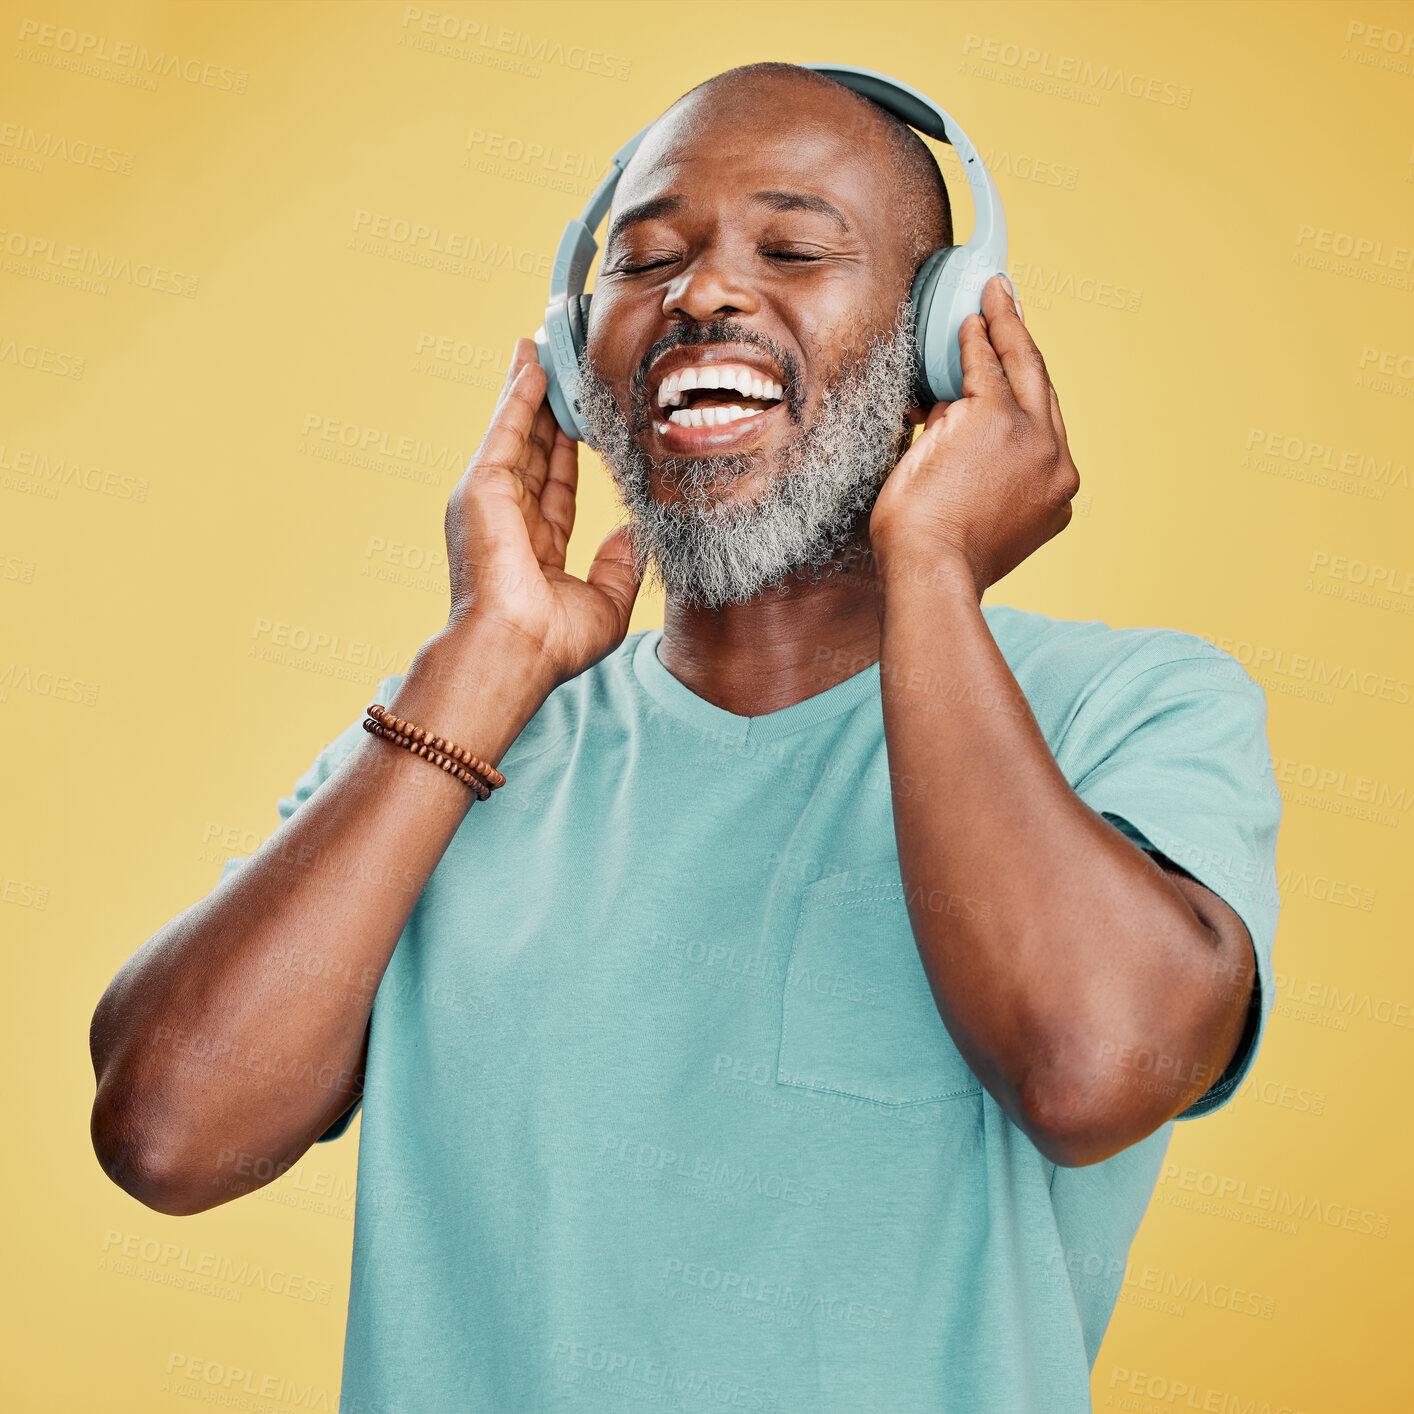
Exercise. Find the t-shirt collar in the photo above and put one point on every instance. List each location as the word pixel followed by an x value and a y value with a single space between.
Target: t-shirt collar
pixel 677 698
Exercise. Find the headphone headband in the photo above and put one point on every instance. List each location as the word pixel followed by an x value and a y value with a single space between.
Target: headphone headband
pixel 968 267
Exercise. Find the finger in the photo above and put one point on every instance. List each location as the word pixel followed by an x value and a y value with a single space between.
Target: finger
pixel 522 352
pixel 507 440
pixel 542 439
pixel 1015 299
pixel 557 500
pixel 1071 471
pixel 982 373
pixel 615 575
pixel 1020 358
pixel 1057 421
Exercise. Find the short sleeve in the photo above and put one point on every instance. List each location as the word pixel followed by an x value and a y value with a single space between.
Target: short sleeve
pixel 1176 756
pixel 323 766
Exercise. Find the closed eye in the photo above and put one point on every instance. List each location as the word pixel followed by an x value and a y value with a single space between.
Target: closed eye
pixel 796 255
pixel 623 269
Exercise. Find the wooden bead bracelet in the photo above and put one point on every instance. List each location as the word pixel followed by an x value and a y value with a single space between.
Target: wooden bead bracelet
pixel 457 761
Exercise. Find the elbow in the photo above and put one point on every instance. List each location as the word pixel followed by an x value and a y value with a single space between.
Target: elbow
pixel 143 1165
pixel 1074 1121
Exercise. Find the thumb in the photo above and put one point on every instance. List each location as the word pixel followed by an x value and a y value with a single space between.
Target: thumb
pixel 614 572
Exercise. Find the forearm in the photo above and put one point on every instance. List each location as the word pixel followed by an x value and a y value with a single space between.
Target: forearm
pixel 238 1026
pixel 1074 944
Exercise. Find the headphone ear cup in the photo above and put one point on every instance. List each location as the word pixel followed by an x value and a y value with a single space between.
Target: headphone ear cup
pixel 558 350
pixel 578 310
pixel 947 289
pixel 921 299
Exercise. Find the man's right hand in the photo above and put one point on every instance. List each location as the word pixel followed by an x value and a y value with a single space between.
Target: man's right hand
pixel 508 526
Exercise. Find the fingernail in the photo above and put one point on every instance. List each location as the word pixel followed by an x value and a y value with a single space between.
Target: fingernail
pixel 1011 290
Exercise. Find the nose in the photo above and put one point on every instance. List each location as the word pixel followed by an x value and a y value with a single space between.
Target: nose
pixel 712 287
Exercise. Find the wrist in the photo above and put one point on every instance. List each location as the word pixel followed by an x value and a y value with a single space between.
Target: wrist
pixel 914 562
pixel 476 684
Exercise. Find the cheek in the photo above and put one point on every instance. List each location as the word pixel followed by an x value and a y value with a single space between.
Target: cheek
pixel 611 336
pixel 832 350
pixel 836 325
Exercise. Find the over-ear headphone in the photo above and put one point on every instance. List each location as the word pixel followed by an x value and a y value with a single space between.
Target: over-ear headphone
pixel 946 289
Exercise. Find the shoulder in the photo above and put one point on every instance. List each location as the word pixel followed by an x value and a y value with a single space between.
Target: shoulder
pixel 1078 673
pixel 1084 656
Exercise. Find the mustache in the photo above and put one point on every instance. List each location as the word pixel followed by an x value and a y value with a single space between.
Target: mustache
pixel 718 331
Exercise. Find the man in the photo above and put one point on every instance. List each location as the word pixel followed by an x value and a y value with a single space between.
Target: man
pixel 802 1025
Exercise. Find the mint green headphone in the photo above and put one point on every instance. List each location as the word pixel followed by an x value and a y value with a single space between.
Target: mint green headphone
pixel 946 289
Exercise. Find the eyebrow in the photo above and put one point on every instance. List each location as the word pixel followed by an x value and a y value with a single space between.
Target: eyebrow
pixel 652 210
pixel 661 206
pixel 801 201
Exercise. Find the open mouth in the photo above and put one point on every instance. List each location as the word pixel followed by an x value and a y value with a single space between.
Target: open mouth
pixel 716 394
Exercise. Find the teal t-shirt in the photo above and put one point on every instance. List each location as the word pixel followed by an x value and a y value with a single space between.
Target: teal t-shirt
pixel 659 1111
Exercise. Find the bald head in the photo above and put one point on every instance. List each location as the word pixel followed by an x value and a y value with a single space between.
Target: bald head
pixel 923 216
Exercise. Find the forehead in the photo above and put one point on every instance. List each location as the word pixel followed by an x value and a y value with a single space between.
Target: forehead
pixel 721 144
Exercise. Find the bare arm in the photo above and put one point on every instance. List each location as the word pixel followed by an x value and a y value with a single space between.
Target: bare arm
pixel 1090 950
pixel 237 1029
pixel 236 1034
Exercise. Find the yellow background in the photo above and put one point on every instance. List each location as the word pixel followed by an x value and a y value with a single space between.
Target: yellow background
pixel 175 490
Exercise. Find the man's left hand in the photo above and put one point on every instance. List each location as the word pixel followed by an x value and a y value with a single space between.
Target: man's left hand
pixel 990 478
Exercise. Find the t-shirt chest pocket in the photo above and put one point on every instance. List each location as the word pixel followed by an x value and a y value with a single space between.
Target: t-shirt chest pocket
pixel 857 1015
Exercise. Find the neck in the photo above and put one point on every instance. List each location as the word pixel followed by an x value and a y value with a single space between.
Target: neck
pixel 779 648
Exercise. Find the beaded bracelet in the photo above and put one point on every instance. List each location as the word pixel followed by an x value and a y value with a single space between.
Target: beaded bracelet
pixel 452 768
pixel 468 768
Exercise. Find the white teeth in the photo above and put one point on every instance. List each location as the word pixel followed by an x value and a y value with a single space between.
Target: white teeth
pixel 660 427
pixel 742 380
pixel 708 417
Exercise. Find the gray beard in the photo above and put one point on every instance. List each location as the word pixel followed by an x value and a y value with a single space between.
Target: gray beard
pixel 707 552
